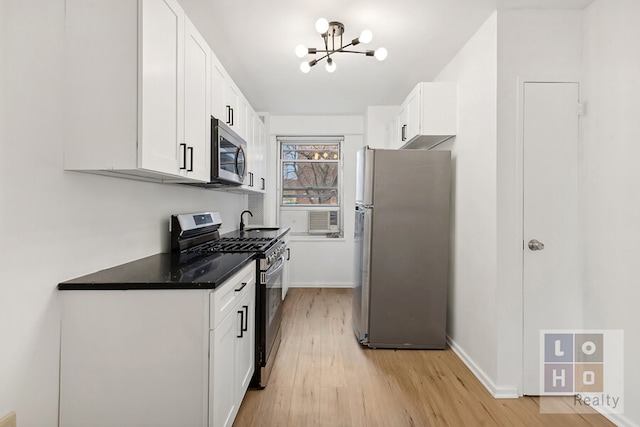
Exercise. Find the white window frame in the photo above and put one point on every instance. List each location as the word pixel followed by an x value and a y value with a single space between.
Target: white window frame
pixel 319 140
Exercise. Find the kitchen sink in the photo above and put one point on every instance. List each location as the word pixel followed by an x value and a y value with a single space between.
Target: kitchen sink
pixel 261 229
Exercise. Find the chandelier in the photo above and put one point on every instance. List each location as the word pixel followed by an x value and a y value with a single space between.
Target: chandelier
pixel 331 33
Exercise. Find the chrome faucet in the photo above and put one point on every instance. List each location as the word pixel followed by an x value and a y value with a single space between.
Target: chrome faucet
pixel 242 222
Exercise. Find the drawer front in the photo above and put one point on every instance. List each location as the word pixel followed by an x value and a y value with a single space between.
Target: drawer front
pixel 223 299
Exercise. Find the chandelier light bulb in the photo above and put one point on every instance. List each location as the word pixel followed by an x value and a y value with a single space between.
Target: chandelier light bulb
pixel 365 36
pixel 322 25
pixel 332 36
pixel 301 51
pixel 331 66
pixel 380 54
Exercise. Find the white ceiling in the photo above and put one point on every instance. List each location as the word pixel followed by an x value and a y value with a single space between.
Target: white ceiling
pixel 255 41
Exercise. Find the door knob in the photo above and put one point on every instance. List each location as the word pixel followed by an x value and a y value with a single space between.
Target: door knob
pixel 536 245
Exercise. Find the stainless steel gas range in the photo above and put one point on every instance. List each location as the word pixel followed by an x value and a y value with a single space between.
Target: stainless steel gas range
pixel 195 235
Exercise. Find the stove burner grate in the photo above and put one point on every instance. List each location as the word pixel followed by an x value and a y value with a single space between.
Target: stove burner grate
pixel 233 244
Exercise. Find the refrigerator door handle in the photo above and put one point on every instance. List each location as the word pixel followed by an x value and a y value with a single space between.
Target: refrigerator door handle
pixel 363 265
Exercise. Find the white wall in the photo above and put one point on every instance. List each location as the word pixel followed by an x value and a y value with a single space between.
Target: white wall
pixel 611 129
pixel 472 304
pixel 317 261
pixel 56 225
pixel 375 124
pixel 540 45
pixel 485 303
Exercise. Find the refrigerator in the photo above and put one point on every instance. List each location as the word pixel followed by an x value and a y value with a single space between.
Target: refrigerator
pixel 402 235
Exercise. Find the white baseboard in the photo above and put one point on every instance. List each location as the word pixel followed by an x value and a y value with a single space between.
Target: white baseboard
pixel 321 285
pixel 496 392
pixel 509 393
pixel 618 419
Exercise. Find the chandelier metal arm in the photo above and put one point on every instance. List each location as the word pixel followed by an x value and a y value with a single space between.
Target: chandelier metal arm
pixel 331 52
pixel 367 52
pixel 331 33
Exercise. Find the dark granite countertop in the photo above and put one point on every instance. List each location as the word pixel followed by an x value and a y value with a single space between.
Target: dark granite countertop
pixel 163 271
pixel 168 271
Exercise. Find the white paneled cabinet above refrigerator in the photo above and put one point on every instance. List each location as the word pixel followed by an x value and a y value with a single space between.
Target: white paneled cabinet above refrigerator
pixel 426 118
pixel 138 83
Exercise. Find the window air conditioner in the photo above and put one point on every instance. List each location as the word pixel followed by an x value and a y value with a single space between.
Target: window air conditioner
pixel 322 222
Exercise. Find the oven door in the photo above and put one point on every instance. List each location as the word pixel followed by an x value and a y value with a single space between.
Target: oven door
pixel 273 306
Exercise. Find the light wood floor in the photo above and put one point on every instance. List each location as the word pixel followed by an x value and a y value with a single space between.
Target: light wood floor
pixel 323 377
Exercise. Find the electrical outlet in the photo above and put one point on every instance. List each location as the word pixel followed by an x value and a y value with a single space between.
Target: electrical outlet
pixel 9 420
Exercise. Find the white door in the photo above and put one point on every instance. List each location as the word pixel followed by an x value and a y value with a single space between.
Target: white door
pixel 551 222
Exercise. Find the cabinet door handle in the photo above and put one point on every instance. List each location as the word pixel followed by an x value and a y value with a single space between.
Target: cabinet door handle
pixel 288 254
pixel 229 114
pixel 184 156
pixel 241 287
pixel 245 328
pixel 264 184
pixel 404 132
pixel 231 124
pixel 190 149
pixel 250 179
pixel 241 324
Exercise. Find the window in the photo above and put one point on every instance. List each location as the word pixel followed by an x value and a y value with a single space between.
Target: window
pixel 310 173
pixel 310 187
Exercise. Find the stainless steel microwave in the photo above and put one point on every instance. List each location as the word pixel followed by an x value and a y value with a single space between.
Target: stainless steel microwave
pixel 228 155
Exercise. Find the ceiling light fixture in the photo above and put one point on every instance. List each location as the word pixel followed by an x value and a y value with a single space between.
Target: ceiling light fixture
pixel 331 33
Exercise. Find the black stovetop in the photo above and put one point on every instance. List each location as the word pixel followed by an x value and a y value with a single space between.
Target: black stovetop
pixel 234 244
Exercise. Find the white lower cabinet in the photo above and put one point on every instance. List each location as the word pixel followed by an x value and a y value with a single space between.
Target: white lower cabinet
pixel 232 344
pixel 222 353
pixel 161 357
pixel 245 346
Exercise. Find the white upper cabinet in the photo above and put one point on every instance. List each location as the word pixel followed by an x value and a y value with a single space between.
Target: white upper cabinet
pixel 137 91
pixel 257 165
pixel 161 91
pixel 427 117
pixel 231 104
pixel 244 119
pixel 225 96
pixel 197 103
pixel 218 88
pixel 254 132
pixel 261 153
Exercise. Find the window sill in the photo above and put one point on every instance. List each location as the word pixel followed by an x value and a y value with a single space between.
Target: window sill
pixel 310 238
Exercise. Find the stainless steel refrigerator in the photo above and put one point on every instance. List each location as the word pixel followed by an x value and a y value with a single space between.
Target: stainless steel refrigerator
pixel 402 248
